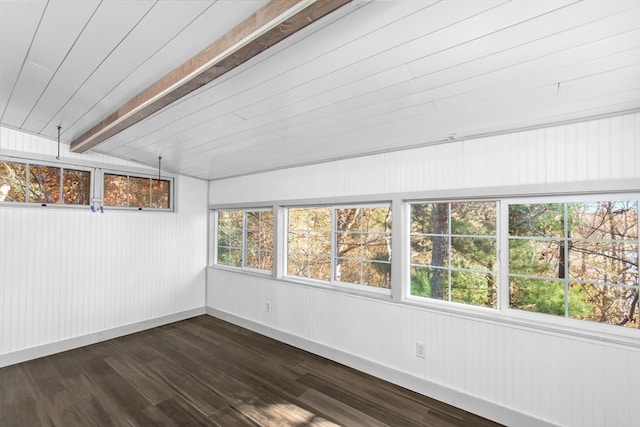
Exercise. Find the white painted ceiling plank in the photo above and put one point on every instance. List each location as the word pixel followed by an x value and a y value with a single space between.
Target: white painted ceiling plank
pixel 458 80
pixel 468 85
pixel 55 37
pixel 120 75
pixel 89 52
pixel 282 102
pixel 323 71
pixel 18 24
pixel 536 34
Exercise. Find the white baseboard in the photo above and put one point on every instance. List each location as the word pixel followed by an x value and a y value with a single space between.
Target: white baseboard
pixel 436 391
pixel 95 337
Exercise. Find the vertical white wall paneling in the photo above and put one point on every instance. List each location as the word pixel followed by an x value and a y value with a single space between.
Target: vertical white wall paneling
pixel 70 276
pixel 556 155
pixel 516 375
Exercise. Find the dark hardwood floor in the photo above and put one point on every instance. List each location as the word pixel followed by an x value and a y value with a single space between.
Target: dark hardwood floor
pixel 204 371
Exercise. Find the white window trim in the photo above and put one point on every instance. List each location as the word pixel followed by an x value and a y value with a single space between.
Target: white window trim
pixel 213 248
pixel 50 163
pixel 96 191
pixel 99 184
pixel 407 231
pixel 534 322
pixel 333 283
pixel 583 329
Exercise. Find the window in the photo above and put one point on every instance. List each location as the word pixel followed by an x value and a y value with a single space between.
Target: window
pixel 136 192
pixel 454 252
pixel 573 257
pixel 309 243
pixel 576 260
pixel 244 239
pixel 350 245
pixel 363 246
pixel 44 184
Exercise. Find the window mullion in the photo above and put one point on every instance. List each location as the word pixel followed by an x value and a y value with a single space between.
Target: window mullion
pixel 449 256
pixel 565 249
pixel 244 239
pixel 334 243
pixel 503 256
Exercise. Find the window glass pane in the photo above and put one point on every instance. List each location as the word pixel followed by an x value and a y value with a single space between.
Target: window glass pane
pixel 349 244
pixel 430 218
pixel 230 256
pixel 474 288
pixel 596 248
pixel 259 244
pixel 604 220
pixel 320 219
pixel 430 282
pixel 363 235
pixel 115 190
pixel 44 184
pixel 536 220
pixel 348 270
pixel 76 187
pixel 613 262
pixel 376 274
pixel 139 192
pixel 454 252
pixel 297 243
pixel 160 194
pixel 474 253
pixel 313 267
pixel 298 218
pixel 614 305
pixel 13 181
pixel 319 242
pixel 309 242
pixel 541 296
pixel 536 257
pixel 229 238
pixel 474 218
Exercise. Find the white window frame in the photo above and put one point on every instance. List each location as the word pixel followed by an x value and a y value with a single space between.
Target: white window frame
pixel 449 268
pixel 213 261
pixel 400 241
pixel 129 174
pixel 504 245
pixel 333 282
pixel 62 166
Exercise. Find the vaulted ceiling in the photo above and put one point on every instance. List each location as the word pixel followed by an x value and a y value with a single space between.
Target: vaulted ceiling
pixel 369 77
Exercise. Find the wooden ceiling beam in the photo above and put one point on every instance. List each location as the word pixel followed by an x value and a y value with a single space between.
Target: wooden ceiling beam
pixel 266 27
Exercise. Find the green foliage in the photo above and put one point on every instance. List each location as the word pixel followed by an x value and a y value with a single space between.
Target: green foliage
pixel 420 282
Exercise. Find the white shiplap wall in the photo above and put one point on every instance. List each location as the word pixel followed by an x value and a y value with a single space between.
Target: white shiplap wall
pixel 513 374
pixel 69 277
pixel 605 149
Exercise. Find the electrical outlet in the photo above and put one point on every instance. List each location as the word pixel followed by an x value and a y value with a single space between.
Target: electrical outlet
pixel 421 350
pixel 267 307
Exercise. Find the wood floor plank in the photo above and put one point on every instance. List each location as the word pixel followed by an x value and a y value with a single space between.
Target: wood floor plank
pixel 142 379
pixel 127 400
pixel 364 401
pixel 270 408
pixel 182 413
pixel 93 403
pixel 342 413
pixel 17 398
pixel 202 398
pixel 207 372
pixel 231 417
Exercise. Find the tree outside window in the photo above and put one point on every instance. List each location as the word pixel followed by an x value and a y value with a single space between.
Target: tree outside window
pixel 577 260
pixel 454 252
pixel 42 184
